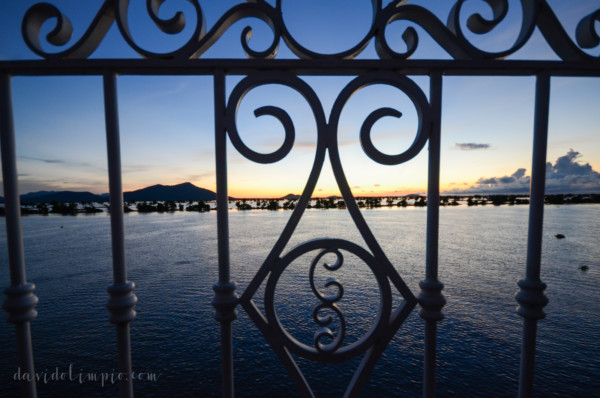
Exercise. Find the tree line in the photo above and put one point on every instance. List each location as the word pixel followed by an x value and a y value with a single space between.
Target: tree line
pixel 368 202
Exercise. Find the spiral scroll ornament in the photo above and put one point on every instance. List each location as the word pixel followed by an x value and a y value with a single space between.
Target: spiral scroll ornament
pixel 408 87
pixel 329 346
pixel 328 303
pixel 450 36
pixel 40 13
pixel 257 80
pixel 480 25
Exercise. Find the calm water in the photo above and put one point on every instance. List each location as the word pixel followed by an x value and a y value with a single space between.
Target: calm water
pixel 172 259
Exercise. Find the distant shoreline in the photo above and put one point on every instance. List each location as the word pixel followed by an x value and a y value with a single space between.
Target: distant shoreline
pixel 170 206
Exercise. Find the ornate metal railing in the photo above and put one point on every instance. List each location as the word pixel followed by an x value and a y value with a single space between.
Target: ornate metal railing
pixel 261 68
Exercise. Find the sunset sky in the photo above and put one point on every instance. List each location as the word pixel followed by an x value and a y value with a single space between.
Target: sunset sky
pixel 167 123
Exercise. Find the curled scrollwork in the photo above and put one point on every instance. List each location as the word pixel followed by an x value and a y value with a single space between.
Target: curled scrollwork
pixel 328 302
pixel 330 282
pixel 480 25
pixel 280 153
pixel 329 346
pixel 411 90
pixel 428 21
pixel 450 36
pixel 560 41
pixel 324 332
pixel 587 37
pixel 172 25
pixel 40 13
pixel 365 135
pixel 201 40
pixel 259 79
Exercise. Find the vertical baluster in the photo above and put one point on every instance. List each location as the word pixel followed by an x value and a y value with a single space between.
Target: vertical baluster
pixel 531 296
pixel 20 303
pixel 225 300
pixel 122 300
pixel 431 298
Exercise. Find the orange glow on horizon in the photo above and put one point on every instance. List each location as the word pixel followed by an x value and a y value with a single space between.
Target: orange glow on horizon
pixel 272 193
pixel 246 192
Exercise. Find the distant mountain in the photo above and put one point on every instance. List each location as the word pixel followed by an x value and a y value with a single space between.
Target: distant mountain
pixel 60 196
pixel 38 194
pixel 185 191
pixel 291 196
pixel 181 192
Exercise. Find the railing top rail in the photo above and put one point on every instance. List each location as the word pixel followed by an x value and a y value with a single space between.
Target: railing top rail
pixel 298 67
pixel 570 53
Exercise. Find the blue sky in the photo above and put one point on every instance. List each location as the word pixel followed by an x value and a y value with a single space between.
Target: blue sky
pixel 167 122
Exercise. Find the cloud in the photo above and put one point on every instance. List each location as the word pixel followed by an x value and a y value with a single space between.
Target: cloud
pixel 376 185
pixel 201 176
pixel 518 178
pixel 51 161
pixel 568 172
pixel 566 175
pixel 471 146
pixel 68 163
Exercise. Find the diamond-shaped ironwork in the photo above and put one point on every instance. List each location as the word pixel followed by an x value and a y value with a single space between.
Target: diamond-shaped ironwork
pixel 329 346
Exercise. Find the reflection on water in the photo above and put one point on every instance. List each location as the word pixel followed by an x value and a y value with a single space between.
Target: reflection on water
pixel 172 260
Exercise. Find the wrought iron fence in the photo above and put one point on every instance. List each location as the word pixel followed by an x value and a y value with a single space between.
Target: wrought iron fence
pixel 391 68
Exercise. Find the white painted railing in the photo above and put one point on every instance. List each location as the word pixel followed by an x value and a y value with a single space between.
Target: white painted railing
pixel 390 69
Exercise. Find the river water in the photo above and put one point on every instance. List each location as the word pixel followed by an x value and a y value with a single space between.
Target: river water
pixel 172 258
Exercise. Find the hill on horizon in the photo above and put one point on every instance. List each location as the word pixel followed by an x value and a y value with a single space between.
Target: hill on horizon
pixel 179 192
pixel 291 196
